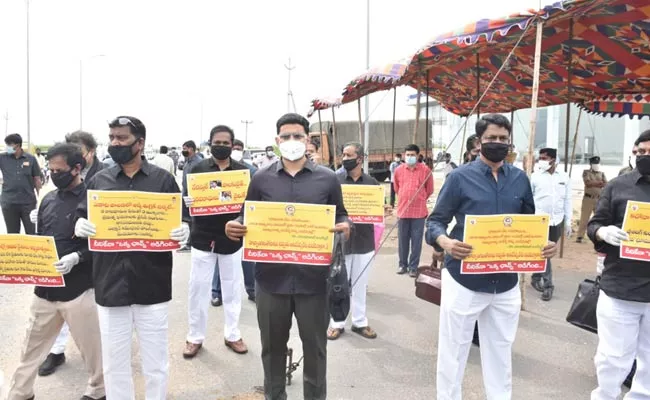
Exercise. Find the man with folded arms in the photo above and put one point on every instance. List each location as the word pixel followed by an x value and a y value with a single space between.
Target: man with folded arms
pixel 132 288
pixel 487 186
pixel 75 302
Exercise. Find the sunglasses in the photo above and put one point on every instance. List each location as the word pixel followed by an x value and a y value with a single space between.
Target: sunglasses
pixel 123 121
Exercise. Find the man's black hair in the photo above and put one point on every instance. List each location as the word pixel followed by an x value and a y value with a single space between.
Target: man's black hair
pixel 190 144
pixel 164 149
pixel 136 127
pixel 492 119
pixel 549 152
pixel 14 138
pixel 412 147
pixel 81 137
pixel 70 152
pixel 222 128
pixel 291 119
pixel 643 137
pixel 237 142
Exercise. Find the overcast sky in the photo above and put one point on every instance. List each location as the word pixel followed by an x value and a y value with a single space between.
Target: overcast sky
pixel 165 60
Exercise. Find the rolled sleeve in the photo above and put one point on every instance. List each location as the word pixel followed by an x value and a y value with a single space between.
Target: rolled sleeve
pixel 443 212
pixel 602 217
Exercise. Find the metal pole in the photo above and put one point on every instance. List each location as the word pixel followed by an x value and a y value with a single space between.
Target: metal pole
pixel 426 128
pixel 334 139
pixel 81 102
pixel 569 73
pixel 360 122
pixel 478 85
pixel 320 137
pixel 29 116
pixel 366 127
pixel 289 94
pixel 246 122
pixel 392 143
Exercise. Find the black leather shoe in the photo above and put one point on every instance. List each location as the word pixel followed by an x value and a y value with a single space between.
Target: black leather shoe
pixel 51 363
pixel 216 302
pixel 251 297
pixel 537 285
pixel 475 339
pixel 90 398
pixel 547 295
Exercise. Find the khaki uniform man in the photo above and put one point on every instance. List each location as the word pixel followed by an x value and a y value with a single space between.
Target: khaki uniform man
pixel 595 181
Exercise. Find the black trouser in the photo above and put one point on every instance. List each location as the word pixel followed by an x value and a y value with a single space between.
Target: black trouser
pixel 14 213
pixel 554 233
pixel 392 195
pixel 274 314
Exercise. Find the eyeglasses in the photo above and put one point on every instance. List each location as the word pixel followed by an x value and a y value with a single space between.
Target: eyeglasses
pixel 122 121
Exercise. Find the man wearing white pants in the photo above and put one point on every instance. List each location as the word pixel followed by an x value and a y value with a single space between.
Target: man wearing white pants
pixel 623 310
pixel 132 288
pixel 359 250
pixel 486 186
pixel 210 246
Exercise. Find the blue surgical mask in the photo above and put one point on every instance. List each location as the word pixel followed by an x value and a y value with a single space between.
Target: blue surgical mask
pixel 411 160
pixel 11 150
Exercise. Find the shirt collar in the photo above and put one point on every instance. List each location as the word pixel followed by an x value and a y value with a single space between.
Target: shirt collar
pixel 77 191
pixel 309 165
pixel 349 178
pixel 486 169
pixel 145 168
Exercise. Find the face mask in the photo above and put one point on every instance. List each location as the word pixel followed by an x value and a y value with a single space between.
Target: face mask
pixel 11 150
pixel 595 167
pixel 62 179
pixel 350 164
pixel 292 150
pixel 543 165
pixel 411 160
pixel 495 152
pixel 122 154
pixel 220 152
pixel 270 153
pixel 643 164
pixel 185 153
pixel 237 155
pixel 397 159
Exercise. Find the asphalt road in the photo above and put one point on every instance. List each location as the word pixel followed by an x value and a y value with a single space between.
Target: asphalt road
pixel 552 359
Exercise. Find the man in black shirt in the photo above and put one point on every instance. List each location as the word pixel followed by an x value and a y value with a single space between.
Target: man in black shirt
pixel 132 288
pixel 286 289
pixel 211 247
pixel 360 249
pixel 74 303
pixel 624 302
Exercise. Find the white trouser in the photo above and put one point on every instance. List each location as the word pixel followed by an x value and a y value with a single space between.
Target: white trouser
pixel 116 325
pixel 355 263
pixel 61 340
pixel 623 335
pixel 232 277
pixel 498 317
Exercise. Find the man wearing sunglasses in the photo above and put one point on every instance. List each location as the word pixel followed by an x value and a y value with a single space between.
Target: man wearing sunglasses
pixel 286 289
pixel 132 289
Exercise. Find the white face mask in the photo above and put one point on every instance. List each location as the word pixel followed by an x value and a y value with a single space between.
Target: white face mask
pixel 292 150
pixel 595 167
pixel 411 160
pixel 270 154
pixel 237 155
pixel 543 165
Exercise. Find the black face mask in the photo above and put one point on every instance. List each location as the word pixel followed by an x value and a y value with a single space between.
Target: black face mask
pixel 185 153
pixel 643 164
pixel 62 179
pixel 122 154
pixel 495 152
pixel 350 164
pixel 220 152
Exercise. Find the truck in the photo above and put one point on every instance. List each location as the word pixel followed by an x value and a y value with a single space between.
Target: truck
pixel 379 151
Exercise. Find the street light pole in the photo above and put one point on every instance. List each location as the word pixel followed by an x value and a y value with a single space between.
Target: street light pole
pixel 29 119
pixel 246 122
pixel 366 128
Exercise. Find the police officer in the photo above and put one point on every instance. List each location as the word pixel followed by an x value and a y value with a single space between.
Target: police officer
pixel 595 181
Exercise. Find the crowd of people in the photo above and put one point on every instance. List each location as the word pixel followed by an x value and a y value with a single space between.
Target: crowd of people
pixel 109 295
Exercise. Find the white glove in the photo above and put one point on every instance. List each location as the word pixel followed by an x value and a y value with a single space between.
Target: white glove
pixel 33 215
pixel 180 234
pixel 84 228
pixel 568 230
pixel 189 200
pixel 65 264
pixel 612 235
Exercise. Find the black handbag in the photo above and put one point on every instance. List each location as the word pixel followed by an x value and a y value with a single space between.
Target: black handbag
pixel 338 283
pixel 583 310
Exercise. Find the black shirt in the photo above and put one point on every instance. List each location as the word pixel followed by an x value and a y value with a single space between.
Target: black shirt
pixel 622 278
pixel 18 178
pixel 209 232
pixel 56 217
pixel 314 184
pixel 362 238
pixel 131 277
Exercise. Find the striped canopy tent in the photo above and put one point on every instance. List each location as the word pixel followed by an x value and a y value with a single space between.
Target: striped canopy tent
pixel 606 43
pixel 375 79
pixel 323 103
